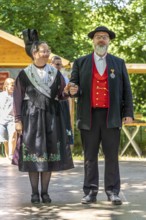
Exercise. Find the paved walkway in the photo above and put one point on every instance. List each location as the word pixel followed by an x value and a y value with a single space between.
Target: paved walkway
pixel 66 193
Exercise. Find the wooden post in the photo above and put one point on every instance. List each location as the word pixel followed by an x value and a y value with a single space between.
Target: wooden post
pixel 72 112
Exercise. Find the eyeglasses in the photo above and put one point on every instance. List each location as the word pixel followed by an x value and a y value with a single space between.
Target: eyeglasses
pixel 58 64
pixel 45 51
pixel 100 37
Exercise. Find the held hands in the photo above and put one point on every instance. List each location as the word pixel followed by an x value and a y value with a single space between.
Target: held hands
pixel 18 127
pixel 127 120
pixel 71 88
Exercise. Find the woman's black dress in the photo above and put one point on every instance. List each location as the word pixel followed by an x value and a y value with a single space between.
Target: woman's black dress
pixel 43 143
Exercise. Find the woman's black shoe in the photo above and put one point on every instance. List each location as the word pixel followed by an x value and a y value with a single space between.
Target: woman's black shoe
pixel 35 198
pixel 46 198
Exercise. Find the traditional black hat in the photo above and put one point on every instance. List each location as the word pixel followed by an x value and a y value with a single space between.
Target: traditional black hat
pixel 29 36
pixel 104 29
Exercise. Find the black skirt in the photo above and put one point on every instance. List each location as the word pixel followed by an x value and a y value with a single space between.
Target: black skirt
pixel 43 143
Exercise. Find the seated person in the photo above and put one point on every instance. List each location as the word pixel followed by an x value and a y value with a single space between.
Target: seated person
pixel 7 125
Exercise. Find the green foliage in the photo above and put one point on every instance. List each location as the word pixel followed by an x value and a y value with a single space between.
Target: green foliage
pixel 128 22
pixel 65 24
pixel 77 150
pixel 60 23
pixel 138 83
pixel 140 140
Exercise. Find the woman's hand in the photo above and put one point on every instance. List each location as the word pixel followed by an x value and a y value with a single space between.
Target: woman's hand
pixel 18 127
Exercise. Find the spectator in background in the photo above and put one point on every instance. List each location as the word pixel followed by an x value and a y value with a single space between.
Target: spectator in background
pixel 7 124
pixel 57 63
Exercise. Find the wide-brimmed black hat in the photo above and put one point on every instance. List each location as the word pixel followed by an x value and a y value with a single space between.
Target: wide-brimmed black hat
pixel 104 29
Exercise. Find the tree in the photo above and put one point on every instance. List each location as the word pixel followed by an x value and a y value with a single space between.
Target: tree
pixel 59 22
pixel 128 21
pixel 65 24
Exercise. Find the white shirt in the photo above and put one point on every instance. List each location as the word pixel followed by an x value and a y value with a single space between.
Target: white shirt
pixel 100 63
pixel 43 73
pixel 6 107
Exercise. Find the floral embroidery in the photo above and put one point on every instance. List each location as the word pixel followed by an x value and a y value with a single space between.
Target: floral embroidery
pixel 43 158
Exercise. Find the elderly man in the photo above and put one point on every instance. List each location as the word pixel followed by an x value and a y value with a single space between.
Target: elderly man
pixel 101 83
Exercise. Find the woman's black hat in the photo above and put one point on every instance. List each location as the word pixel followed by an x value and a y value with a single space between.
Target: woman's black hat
pixel 29 36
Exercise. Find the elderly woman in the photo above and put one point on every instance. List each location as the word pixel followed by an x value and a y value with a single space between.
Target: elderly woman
pixel 39 122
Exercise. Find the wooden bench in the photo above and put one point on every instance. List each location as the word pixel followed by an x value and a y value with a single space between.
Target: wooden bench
pixel 131 136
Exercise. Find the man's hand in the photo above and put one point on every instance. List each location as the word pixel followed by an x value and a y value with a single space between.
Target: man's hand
pixel 71 88
pixel 127 120
pixel 18 127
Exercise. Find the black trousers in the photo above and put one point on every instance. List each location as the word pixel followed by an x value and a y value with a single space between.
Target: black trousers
pixel 109 139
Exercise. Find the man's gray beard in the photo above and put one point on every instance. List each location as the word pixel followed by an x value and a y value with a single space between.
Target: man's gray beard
pixel 100 50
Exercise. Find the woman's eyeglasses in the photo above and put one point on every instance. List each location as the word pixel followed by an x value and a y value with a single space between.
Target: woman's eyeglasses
pixel 45 51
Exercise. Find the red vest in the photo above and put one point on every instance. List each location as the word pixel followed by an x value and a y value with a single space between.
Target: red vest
pixel 100 94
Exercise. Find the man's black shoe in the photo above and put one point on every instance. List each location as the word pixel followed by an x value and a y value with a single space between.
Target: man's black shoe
pixel 115 199
pixel 87 199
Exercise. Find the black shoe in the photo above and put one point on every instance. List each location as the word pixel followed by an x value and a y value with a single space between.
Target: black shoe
pixel 35 198
pixel 87 199
pixel 115 199
pixel 90 198
pixel 46 198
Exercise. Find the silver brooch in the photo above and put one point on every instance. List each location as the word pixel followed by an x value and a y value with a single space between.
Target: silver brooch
pixel 112 74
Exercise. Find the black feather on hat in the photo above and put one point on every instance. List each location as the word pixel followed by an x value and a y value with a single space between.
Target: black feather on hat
pixel 112 35
pixel 29 36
